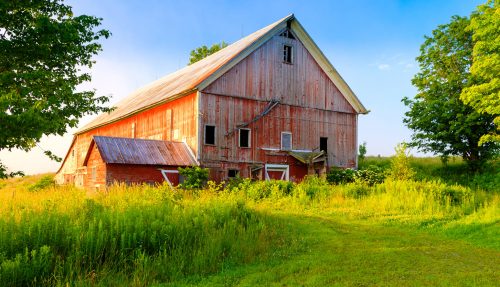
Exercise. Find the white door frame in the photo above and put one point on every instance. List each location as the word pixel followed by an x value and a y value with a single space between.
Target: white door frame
pixel 164 173
pixel 278 167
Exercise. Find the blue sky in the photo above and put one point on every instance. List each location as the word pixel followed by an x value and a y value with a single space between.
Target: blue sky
pixel 372 43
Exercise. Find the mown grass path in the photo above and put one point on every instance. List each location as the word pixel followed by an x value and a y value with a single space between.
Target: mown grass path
pixel 339 252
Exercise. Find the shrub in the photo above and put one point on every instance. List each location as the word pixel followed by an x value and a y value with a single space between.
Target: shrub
pixel 194 177
pixel 313 187
pixel 371 175
pixel 454 194
pixel 356 190
pixel 44 182
pixel 341 176
pixel 362 152
pixel 400 164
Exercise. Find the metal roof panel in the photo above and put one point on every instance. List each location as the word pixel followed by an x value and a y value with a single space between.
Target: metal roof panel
pixel 143 151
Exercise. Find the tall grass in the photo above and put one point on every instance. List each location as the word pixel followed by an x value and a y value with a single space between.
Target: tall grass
pixel 455 171
pixel 139 235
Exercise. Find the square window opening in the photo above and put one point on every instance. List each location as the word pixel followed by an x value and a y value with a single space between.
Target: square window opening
pixel 244 139
pixel 287 54
pixel 210 135
pixel 286 141
pixel 232 173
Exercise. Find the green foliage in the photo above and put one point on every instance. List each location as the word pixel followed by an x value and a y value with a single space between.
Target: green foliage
pixel 204 51
pixel 455 172
pixel 484 94
pixel 43 50
pixel 44 182
pixel 143 235
pixel 371 175
pixel 262 189
pixel 194 177
pixel 440 121
pixel 340 175
pixel 362 152
pixel 400 164
pixel 27 268
pixel 5 174
pixel 355 190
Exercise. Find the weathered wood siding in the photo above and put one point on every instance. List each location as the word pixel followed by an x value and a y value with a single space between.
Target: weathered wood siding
pixel 310 107
pixel 95 176
pixel 175 120
pixel 136 174
pixel 264 76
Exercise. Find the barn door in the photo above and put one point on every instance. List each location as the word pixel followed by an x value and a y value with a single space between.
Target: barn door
pixel 277 171
pixel 170 176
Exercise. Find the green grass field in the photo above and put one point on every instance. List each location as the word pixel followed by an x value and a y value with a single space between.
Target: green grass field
pixel 441 229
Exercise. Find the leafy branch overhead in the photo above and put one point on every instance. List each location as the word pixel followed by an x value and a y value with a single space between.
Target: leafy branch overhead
pixel 44 49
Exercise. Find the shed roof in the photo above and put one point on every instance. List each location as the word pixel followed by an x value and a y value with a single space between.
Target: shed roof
pixel 141 151
pixel 308 157
pixel 202 73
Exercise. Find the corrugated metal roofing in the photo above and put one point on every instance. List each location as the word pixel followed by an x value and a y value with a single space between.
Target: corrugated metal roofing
pixel 179 82
pixel 142 151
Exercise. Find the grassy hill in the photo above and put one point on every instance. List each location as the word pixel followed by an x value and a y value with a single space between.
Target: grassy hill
pixel 440 229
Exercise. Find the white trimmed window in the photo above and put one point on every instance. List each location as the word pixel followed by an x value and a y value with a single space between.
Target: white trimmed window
pixel 286 141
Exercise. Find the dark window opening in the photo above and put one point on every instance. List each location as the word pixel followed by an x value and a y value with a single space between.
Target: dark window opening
pixel 210 135
pixel 323 144
pixel 244 138
pixel 287 54
pixel 287 34
pixel 232 173
pixel 286 141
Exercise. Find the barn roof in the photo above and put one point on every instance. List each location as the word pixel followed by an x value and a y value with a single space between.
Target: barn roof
pixel 141 151
pixel 199 75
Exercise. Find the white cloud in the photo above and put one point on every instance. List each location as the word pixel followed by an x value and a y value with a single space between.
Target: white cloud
pixel 384 67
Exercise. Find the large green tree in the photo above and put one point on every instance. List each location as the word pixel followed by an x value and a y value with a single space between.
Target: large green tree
pixel 484 94
pixel 204 51
pixel 44 49
pixel 440 121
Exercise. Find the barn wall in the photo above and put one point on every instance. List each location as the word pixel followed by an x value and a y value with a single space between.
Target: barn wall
pixel 310 107
pixel 135 174
pixel 264 76
pixel 94 174
pixel 176 121
pixel 306 125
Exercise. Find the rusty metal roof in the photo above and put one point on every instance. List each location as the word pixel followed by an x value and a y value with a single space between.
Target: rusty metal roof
pixel 141 151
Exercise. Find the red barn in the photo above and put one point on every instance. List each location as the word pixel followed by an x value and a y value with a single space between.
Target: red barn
pixel 270 105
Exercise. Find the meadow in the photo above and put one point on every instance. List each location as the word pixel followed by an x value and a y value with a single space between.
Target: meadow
pixel 439 228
